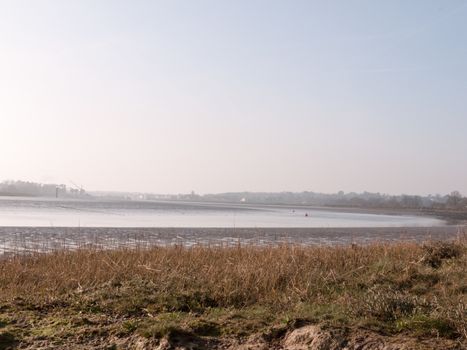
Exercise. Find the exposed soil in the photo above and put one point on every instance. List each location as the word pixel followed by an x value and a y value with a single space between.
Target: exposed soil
pixel 307 337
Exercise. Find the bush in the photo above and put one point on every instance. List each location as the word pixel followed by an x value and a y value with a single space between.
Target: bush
pixel 437 252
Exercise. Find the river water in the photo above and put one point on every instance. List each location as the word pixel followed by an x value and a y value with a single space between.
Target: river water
pixel 44 225
pixel 34 212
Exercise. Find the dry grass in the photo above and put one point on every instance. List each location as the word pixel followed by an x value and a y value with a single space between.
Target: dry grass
pixel 405 287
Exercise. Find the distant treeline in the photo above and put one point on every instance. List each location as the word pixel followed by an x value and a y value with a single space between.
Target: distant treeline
pixel 454 200
pixel 34 189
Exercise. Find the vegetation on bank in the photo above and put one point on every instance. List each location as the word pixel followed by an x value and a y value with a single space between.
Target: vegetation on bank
pixel 94 297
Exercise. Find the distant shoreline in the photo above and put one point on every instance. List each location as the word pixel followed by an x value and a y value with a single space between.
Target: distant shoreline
pixel 451 216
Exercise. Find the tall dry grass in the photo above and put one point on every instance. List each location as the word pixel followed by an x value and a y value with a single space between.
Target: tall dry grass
pixel 386 282
pixel 241 275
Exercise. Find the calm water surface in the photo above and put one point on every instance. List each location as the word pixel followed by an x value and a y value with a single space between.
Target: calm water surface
pixel 35 212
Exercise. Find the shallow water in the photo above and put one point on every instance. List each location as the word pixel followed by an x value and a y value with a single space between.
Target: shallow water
pixel 33 212
pixel 21 240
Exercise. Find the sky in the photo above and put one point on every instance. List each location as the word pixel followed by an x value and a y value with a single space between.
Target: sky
pixel 246 95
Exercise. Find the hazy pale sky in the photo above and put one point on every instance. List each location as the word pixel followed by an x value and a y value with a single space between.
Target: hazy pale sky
pixel 216 96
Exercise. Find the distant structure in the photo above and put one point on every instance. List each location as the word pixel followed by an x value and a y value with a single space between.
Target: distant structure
pixel 33 189
pixel 78 191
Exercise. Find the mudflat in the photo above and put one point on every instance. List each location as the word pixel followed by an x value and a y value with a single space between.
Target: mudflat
pixel 42 239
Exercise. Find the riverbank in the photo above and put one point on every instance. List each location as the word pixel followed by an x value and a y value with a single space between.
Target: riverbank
pixel 451 216
pixel 405 295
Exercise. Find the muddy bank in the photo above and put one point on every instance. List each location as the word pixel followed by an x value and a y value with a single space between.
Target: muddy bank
pixel 452 217
pixel 308 337
pixel 31 239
